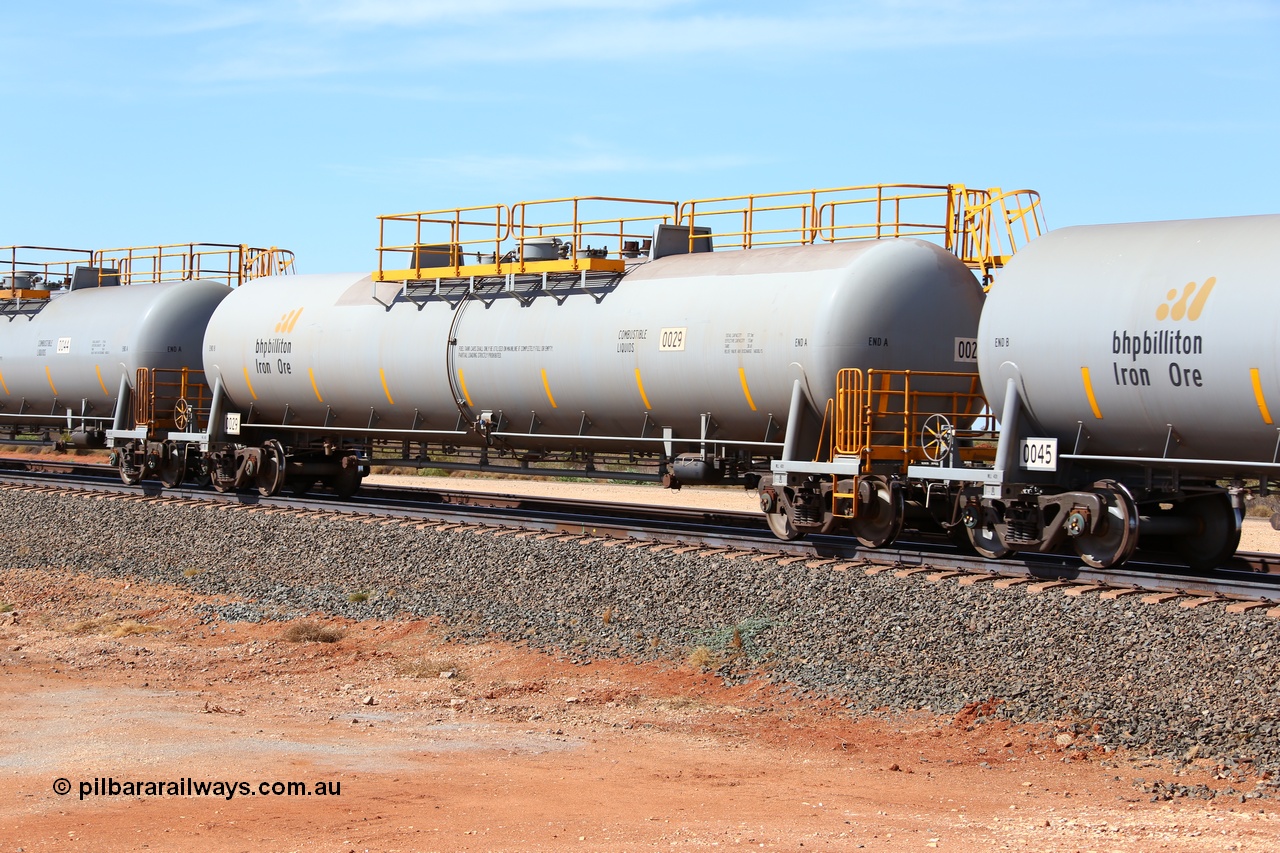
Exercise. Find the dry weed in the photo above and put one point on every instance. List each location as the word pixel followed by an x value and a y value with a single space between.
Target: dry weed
pixel 130 627
pixel 430 668
pixel 312 632
pixel 703 658
pixel 109 623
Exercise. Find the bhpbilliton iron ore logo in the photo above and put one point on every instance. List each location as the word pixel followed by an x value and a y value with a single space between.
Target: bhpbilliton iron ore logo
pixel 1190 304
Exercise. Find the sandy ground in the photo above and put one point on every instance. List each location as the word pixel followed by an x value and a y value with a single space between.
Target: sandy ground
pixel 700 497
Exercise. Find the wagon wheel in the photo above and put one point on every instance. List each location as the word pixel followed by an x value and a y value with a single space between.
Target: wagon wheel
pixel 782 526
pixel 986 541
pixel 881 512
pixel 347 481
pixel 776 515
pixel 270 474
pixel 181 413
pixel 173 468
pixel 1217 533
pixel 937 438
pixel 978 525
pixel 130 474
pixel 1117 535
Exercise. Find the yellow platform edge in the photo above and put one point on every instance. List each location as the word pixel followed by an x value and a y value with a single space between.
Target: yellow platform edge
pixel 559 265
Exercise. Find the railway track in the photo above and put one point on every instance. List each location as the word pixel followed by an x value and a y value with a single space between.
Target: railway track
pixel 1252 580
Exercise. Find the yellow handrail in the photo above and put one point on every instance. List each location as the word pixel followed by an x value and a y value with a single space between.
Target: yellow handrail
pixel 172 398
pixel 961 219
pixel 28 269
pixel 454 230
pixel 1017 215
pixel 232 263
pixel 575 230
pixel 882 413
pixel 500 239
pixel 982 227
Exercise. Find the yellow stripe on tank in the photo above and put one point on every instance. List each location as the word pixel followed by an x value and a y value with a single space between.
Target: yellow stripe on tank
pixel 49 376
pixel 98 370
pixel 746 392
pixel 640 385
pixel 1088 392
pixel 4 384
pixel 1257 395
pixel 294 321
pixel 462 383
pixel 383 377
pixel 252 393
pixel 546 386
pixel 312 374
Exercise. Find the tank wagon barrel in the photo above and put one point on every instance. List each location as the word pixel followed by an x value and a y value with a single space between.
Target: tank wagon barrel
pixel 598 330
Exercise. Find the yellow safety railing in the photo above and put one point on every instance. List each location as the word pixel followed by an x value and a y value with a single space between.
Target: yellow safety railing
pixel 982 227
pixel 30 272
pixel 171 399
pixel 754 221
pixel 624 233
pixel 233 263
pixel 903 414
pixel 549 235
pixel 441 241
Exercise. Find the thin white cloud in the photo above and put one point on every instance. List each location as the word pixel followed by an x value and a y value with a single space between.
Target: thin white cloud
pixel 402 13
pixel 315 38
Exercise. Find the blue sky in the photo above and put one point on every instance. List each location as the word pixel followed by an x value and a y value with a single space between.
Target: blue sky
pixel 297 122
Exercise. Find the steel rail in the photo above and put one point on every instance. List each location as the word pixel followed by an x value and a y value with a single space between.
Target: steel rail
pixel 1251 577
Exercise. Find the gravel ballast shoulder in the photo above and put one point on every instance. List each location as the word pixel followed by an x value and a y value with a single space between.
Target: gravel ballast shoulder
pixel 1173 681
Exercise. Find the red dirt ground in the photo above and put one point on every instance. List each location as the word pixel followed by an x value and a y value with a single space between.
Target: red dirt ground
pixel 516 750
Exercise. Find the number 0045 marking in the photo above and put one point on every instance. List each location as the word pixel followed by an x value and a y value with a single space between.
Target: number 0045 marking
pixel 1040 454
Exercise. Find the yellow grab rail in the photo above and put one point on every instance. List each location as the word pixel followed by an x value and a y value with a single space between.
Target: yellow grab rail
pixel 623 224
